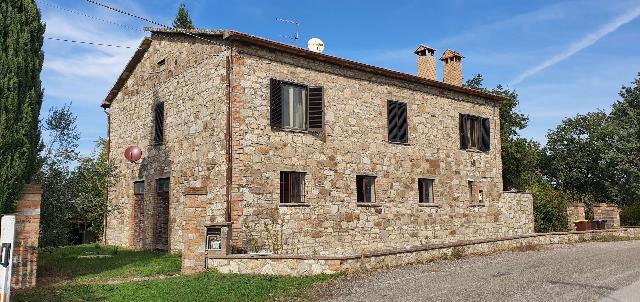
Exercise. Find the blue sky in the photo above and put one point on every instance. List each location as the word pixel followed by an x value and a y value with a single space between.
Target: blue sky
pixel 563 57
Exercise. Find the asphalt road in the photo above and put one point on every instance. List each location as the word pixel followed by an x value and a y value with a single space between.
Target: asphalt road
pixel 595 271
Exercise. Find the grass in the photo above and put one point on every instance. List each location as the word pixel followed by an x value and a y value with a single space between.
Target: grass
pixel 69 278
pixel 609 238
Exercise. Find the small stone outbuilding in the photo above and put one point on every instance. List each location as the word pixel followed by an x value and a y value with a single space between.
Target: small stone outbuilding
pixel 251 146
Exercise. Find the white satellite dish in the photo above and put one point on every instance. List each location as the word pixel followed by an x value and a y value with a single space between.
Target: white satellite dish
pixel 315 45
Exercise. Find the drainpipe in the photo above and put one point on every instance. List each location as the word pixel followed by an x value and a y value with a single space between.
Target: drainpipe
pixel 106 195
pixel 229 135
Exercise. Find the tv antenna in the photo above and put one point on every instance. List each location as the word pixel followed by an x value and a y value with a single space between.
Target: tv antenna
pixel 296 37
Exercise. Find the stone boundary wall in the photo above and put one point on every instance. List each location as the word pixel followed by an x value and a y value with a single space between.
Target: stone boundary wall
pixel 25 250
pixel 309 265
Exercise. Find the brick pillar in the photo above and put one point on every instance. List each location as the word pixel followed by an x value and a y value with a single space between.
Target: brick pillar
pixel 608 212
pixel 574 212
pixel 25 251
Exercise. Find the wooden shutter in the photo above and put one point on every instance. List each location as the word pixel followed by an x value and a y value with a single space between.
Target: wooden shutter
pixel 392 120
pixel 315 114
pixel 485 134
pixel 276 103
pixel 158 136
pixel 464 138
pixel 285 187
pixel 360 188
pixel 403 125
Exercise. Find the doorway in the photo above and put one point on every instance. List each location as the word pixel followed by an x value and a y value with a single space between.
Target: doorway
pixel 161 238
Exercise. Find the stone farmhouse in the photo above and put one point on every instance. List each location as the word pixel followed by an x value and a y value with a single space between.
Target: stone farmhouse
pixel 254 148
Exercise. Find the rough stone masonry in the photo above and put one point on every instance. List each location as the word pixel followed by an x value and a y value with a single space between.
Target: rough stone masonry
pixel 222 159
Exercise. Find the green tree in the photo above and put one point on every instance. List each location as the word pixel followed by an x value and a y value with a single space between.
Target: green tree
pixel 21 57
pixel 93 177
pixel 625 145
pixel 182 20
pixel 57 177
pixel 577 161
pixel 521 157
pixel 549 206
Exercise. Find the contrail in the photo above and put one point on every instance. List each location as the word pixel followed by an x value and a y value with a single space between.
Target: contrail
pixel 587 41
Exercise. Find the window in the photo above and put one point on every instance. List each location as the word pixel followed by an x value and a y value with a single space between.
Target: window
pixel 470 189
pixel 161 65
pixel 292 187
pixel 138 187
pixel 158 122
pixel 296 106
pixel 480 196
pixel 214 238
pixel 397 122
pixel 475 133
pixel 425 188
pixel 365 186
pixel 162 185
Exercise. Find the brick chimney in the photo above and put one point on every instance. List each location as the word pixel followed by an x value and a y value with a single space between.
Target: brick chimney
pixel 452 67
pixel 426 62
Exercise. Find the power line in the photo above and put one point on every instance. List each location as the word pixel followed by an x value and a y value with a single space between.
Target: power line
pixel 88 16
pixel 149 21
pixel 89 43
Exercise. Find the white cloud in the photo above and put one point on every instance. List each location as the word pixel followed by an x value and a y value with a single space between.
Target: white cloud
pixel 585 42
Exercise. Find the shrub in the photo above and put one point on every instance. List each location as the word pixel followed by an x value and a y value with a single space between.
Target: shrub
pixel 630 215
pixel 549 207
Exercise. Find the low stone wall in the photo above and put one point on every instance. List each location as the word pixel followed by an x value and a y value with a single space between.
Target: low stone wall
pixel 309 265
pixel 25 250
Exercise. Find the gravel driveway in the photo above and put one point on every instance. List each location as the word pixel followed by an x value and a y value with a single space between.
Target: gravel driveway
pixel 579 272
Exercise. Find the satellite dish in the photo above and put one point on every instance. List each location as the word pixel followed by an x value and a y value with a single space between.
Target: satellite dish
pixel 133 153
pixel 315 45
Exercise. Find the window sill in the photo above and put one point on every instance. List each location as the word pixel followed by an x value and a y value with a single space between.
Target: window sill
pixel 294 205
pixel 477 205
pixel 399 143
pixel 429 205
pixel 475 151
pixel 368 205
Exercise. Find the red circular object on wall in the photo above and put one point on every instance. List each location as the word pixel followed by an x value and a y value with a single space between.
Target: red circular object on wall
pixel 133 153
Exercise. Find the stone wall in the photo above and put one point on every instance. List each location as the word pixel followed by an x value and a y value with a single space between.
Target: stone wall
pixel 192 86
pixel 25 250
pixel 355 142
pixel 310 265
pixel 575 212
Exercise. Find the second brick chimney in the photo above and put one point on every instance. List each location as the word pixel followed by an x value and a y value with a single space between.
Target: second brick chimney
pixel 452 67
pixel 426 62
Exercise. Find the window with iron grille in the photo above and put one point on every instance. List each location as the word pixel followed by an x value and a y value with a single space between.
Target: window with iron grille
pixel 162 185
pixel 292 187
pixel 475 132
pixel 158 123
pixel 296 106
pixel 365 187
pixel 425 189
pixel 397 124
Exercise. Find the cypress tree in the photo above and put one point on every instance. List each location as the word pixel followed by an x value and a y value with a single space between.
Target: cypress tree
pixel 182 21
pixel 21 57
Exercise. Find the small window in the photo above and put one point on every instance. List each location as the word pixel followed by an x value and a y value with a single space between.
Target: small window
pixel 214 239
pixel 162 185
pixel 138 187
pixel 480 196
pixel 425 188
pixel 475 133
pixel 470 190
pixel 365 186
pixel 158 122
pixel 292 187
pixel 398 130
pixel 161 65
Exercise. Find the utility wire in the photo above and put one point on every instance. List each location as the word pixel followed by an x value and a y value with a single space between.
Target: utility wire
pixel 89 16
pixel 89 43
pixel 150 21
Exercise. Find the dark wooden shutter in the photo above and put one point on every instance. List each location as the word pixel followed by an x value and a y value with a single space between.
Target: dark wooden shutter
pixel 158 136
pixel 403 125
pixel 276 103
pixel 485 134
pixel 392 120
pixel 315 114
pixel 360 188
pixel 464 137
pixel 421 189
